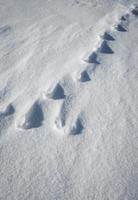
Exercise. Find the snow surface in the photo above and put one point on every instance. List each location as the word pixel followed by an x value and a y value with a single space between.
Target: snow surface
pixel 68 100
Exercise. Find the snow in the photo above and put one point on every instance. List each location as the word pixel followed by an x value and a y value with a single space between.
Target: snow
pixel 68 100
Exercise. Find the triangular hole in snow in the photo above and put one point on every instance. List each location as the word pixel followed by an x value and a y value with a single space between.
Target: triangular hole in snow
pixel 107 36
pixel 33 118
pixel 120 28
pixel 105 48
pixel 93 58
pixel 77 128
pixel 57 92
pixel 84 77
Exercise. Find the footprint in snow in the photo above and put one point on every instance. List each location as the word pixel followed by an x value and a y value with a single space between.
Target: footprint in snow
pixel 33 117
pixel 7 112
pixel 84 76
pixel 57 92
pixel 125 17
pixel 5 29
pixel 107 36
pixel 135 11
pixel 64 112
pixel 68 102
pixel 120 28
pixel 6 118
pixel 77 128
pixel 93 58
pixel 105 49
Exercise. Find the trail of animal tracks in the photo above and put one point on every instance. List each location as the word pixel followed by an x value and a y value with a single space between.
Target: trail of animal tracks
pixel 68 100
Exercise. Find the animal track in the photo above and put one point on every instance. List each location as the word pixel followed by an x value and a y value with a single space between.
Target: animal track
pixel 63 113
pixel 6 118
pixel 93 58
pixel 84 76
pixel 57 92
pixel 4 29
pixel 8 111
pixel 104 48
pixel 34 117
pixel 135 11
pixel 107 36
pixel 77 128
pixel 120 28
pixel 124 17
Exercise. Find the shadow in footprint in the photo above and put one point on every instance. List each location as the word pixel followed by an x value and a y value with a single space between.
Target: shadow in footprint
pixel 123 18
pixel 8 111
pixel 93 58
pixel 105 48
pixel 57 93
pixel 84 77
pixel 107 36
pixel 135 11
pixel 6 118
pixel 77 128
pixel 120 28
pixel 5 29
pixel 34 117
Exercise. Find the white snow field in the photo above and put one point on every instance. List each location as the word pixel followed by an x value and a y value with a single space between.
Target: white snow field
pixel 68 100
